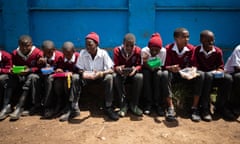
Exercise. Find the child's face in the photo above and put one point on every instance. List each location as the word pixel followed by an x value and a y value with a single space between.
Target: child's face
pixel 91 46
pixel 68 53
pixel 25 46
pixel 128 46
pixel 154 50
pixel 48 52
pixel 182 39
pixel 208 42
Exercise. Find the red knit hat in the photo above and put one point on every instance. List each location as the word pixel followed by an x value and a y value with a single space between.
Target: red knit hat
pixel 155 40
pixel 94 36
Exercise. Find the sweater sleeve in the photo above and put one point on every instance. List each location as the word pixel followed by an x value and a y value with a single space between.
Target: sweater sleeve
pixel 7 60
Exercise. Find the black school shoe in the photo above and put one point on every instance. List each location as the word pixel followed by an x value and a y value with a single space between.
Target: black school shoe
pixel 170 115
pixel 136 110
pixel 195 116
pixel 65 116
pixel 75 113
pixel 147 109
pixel 111 113
pixel 228 115
pixel 160 111
pixel 5 112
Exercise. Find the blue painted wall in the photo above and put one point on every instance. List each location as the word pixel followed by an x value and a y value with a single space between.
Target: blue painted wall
pixel 62 20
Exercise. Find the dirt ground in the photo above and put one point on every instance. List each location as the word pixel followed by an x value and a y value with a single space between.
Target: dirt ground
pixel 93 127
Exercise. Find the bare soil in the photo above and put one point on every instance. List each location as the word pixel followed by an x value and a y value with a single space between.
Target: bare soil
pixel 92 126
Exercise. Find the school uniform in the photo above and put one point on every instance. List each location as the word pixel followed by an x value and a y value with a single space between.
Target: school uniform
pixel 183 59
pixel 69 95
pixel 155 88
pixel 5 69
pixel 29 83
pixel 49 98
pixel 208 62
pixel 135 81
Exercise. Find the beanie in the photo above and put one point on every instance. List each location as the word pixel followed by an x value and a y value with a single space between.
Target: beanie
pixel 155 41
pixel 94 36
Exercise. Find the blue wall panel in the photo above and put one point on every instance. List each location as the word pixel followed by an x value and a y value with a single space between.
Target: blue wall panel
pixel 222 17
pixel 223 24
pixel 78 3
pixel 62 26
pixel 62 20
pixel 198 3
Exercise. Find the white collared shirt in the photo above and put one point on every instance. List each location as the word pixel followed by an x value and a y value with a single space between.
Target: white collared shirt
pixel 72 60
pixel 207 53
pixel 101 61
pixel 161 55
pixel 185 49
pixel 233 60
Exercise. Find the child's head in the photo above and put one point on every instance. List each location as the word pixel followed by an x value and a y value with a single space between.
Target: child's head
pixel 155 44
pixel 92 42
pixel 48 48
pixel 25 44
pixel 181 37
pixel 68 49
pixel 129 43
pixel 207 39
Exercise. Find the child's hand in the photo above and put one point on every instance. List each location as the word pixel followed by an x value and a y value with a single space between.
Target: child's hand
pixel 26 71
pixel 99 74
pixel 134 70
pixel 173 68
pixel 119 69
pixel 42 61
pixel 58 70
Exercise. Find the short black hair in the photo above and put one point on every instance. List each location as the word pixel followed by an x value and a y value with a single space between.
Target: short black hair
pixel 206 33
pixel 129 37
pixel 178 32
pixel 67 46
pixel 25 38
pixel 46 43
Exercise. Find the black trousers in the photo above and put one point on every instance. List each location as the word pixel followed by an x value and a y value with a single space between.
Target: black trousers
pixel 155 87
pixel 224 88
pixel 107 82
pixel 136 84
pixel 29 88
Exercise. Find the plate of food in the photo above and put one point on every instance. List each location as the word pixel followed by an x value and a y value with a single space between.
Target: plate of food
pixel 189 73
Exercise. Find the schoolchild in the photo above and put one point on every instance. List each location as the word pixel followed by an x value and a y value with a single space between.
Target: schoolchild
pixel 209 59
pixel 127 66
pixel 179 56
pixel 96 67
pixel 156 90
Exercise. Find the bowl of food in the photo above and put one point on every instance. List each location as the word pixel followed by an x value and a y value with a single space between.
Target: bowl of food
pixel 154 63
pixel 47 70
pixel 18 69
pixel 218 74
